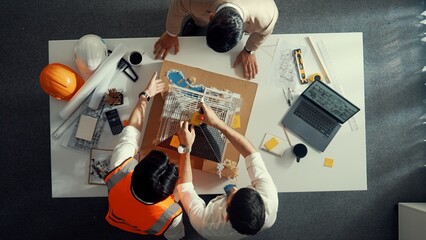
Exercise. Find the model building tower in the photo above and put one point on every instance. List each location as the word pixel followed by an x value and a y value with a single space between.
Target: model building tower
pixel 209 143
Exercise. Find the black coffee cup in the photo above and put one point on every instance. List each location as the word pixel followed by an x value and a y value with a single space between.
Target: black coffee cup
pixel 135 58
pixel 300 151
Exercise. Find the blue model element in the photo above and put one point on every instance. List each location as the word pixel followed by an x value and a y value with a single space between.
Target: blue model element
pixel 178 79
pixel 228 188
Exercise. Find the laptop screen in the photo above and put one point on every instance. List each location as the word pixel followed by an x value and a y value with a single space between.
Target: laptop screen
pixel 332 102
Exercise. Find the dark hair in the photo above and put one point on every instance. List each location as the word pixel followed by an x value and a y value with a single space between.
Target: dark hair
pixel 225 30
pixel 154 178
pixel 246 211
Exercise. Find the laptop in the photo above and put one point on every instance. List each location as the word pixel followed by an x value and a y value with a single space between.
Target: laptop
pixel 317 115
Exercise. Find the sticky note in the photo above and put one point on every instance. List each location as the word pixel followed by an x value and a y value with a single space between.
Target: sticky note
pixel 328 162
pixel 175 141
pixel 196 119
pixel 237 121
pixel 271 143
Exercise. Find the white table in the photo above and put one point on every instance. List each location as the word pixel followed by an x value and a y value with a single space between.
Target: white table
pixel 411 220
pixel 348 149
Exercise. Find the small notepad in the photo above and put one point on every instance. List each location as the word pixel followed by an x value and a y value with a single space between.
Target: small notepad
pixel 271 144
pixel 274 144
pixel 86 127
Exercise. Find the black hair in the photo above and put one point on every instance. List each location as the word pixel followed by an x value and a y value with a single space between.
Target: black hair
pixel 225 30
pixel 246 211
pixel 154 178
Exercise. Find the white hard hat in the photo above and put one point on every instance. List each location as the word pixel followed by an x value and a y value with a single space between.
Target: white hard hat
pixel 90 52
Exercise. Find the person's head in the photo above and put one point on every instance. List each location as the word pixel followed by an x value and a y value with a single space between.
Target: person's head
pixel 246 211
pixel 154 178
pixel 225 30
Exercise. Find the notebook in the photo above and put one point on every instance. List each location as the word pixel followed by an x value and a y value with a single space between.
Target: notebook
pixel 318 114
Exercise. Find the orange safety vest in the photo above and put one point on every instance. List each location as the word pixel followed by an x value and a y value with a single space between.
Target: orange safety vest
pixel 130 214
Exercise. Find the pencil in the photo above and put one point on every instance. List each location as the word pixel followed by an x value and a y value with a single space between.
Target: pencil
pixel 286 135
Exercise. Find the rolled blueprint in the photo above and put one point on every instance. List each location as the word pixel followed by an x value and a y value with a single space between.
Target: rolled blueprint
pixel 105 70
pixel 102 87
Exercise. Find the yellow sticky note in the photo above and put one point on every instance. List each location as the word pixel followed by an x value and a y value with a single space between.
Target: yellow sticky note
pixel 175 141
pixel 274 144
pixel 271 143
pixel 237 121
pixel 328 162
pixel 196 119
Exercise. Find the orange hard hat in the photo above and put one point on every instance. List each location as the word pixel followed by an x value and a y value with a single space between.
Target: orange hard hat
pixel 60 81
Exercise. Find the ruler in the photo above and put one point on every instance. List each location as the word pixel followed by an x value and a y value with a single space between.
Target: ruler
pixel 335 81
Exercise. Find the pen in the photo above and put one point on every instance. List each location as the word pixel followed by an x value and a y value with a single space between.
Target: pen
pixel 288 138
pixel 288 99
pixel 290 96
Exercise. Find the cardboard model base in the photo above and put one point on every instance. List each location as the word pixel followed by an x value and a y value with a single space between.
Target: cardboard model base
pixel 246 89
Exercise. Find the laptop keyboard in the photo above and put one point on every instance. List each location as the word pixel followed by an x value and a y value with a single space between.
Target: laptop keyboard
pixel 315 118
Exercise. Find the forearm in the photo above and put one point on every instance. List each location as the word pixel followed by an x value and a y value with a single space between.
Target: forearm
pixel 255 40
pixel 129 141
pixel 241 143
pixel 127 146
pixel 138 114
pixel 185 170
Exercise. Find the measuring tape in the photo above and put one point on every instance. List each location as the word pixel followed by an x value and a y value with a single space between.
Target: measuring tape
pixel 315 77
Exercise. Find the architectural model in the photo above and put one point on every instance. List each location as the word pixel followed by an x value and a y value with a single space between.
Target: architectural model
pixel 181 102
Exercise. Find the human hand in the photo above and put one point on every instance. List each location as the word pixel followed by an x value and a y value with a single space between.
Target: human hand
pixel 186 136
pixel 248 61
pixel 164 44
pixel 156 85
pixel 210 117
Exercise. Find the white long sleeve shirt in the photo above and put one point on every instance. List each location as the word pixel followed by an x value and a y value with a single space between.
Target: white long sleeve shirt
pixel 211 221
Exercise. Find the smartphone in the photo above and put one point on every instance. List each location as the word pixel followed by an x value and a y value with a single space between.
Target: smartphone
pixel 114 121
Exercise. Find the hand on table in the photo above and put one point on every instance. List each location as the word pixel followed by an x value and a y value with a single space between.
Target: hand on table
pixel 248 61
pixel 164 44
pixel 186 136
pixel 156 85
